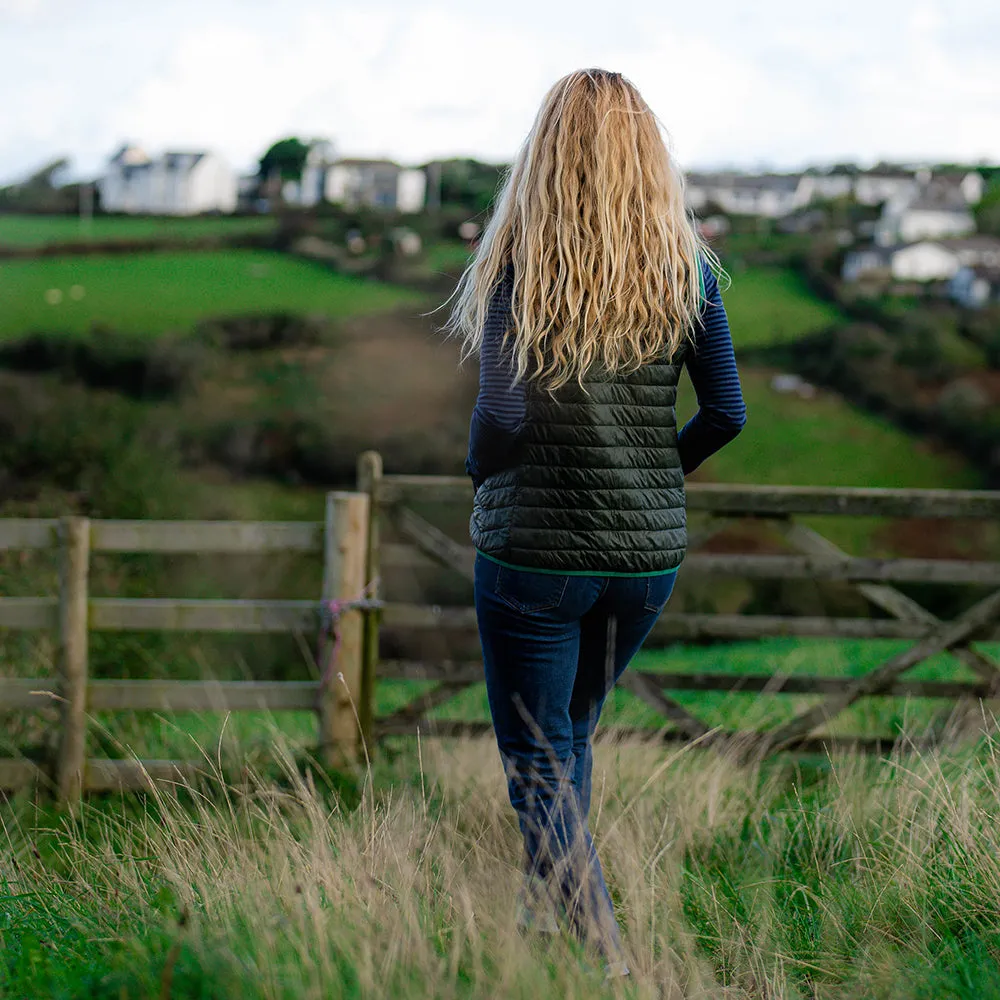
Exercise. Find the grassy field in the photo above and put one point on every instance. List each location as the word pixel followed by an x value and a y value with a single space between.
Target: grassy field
pixel 772 306
pixel 825 441
pixel 155 292
pixel 39 230
pixel 848 879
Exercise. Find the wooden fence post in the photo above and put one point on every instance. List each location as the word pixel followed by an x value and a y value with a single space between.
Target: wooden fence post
pixel 74 535
pixel 343 579
pixel 369 478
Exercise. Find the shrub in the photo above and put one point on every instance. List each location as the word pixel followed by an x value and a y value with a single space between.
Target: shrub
pixel 140 367
pixel 95 446
pixel 983 329
pixel 930 344
pixel 264 331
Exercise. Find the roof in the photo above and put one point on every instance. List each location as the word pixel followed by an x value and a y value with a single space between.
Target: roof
pixel 362 162
pixel 132 159
pixel 767 182
pixel 937 244
pixel 745 182
pixel 978 242
pixel 879 253
pixel 182 161
pixel 131 156
pixel 937 200
pixel 952 176
pixel 708 180
pixel 888 173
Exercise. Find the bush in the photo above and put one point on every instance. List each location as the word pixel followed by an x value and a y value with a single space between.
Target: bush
pixel 931 345
pixel 96 446
pixel 264 331
pixel 136 366
pixel 983 329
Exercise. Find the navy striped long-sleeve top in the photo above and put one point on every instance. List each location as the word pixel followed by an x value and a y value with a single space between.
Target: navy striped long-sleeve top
pixel 501 404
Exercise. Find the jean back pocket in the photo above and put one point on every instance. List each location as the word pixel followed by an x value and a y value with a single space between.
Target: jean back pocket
pixel 525 590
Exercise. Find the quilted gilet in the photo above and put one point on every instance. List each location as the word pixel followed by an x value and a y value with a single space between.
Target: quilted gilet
pixel 596 485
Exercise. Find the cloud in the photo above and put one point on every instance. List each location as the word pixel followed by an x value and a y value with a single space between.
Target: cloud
pixel 777 83
pixel 20 10
pixel 375 80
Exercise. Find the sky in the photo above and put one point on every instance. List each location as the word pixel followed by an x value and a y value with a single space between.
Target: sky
pixel 770 84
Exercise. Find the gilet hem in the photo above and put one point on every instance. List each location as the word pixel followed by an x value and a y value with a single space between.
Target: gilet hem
pixel 572 572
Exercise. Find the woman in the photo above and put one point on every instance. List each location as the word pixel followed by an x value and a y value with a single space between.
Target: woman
pixel 588 292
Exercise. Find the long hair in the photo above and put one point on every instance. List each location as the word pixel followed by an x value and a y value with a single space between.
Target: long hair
pixel 591 215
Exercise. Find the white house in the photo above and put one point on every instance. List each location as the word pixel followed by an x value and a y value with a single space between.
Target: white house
pixel 836 183
pixel 873 187
pixel 375 183
pixel 867 262
pixel 966 187
pixel 698 188
pixel 925 261
pixel 312 185
pixel 927 217
pixel 172 184
pixel 771 195
pixel 411 190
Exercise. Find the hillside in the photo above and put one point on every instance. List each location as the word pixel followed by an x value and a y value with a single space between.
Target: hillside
pixel 150 293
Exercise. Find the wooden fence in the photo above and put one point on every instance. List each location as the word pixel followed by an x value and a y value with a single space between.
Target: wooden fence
pixel 375 532
pixel 341 541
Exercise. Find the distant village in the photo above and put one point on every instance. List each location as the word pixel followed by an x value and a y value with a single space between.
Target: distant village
pixel 192 183
pixel 922 230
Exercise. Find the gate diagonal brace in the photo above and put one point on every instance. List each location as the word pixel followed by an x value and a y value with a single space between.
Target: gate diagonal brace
pixel 642 687
pixel 899 605
pixel 426 702
pixel 889 599
pixel 433 542
pixel 948 635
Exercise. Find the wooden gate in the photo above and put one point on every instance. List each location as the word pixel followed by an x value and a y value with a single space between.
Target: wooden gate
pixel 810 556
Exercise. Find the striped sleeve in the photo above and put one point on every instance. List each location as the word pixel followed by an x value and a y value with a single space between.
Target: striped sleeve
pixel 501 403
pixel 722 411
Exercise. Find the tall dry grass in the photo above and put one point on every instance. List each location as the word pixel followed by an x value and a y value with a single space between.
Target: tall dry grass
pixel 850 878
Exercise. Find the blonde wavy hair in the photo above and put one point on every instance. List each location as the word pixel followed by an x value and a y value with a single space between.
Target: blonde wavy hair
pixel 591 214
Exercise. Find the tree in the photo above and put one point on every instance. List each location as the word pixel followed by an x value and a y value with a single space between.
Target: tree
pixel 42 191
pixel 288 156
pixel 469 183
pixel 988 210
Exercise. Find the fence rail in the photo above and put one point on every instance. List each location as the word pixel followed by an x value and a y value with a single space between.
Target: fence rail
pixel 810 557
pixel 341 541
pixel 375 532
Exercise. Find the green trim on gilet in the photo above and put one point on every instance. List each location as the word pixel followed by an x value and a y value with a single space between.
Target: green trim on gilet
pixel 555 572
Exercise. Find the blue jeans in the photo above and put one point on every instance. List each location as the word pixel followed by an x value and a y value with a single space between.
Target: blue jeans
pixel 553 647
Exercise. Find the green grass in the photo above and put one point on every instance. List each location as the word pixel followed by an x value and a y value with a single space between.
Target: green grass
pixel 447 256
pixel 825 441
pixel 39 230
pixel 848 879
pixel 156 292
pixel 772 306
